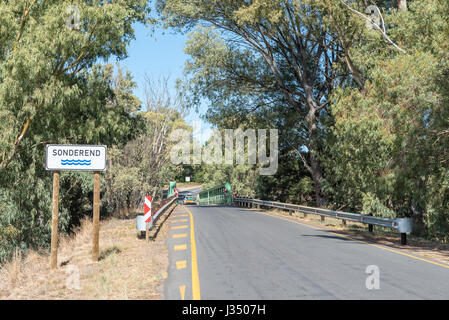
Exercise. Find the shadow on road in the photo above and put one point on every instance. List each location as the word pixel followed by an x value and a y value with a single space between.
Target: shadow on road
pixel 326 236
pixel 212 206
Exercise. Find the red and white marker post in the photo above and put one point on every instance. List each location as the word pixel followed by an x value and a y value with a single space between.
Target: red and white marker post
pixel 176 192
pixel 147 216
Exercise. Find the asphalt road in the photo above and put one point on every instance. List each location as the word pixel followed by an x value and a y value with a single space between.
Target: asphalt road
pixel 234 253
pixel 193 190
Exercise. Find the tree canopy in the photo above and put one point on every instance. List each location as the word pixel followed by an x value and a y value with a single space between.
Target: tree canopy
pixel 358 94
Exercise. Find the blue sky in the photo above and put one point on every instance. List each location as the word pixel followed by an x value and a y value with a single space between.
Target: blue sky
pixel 159 55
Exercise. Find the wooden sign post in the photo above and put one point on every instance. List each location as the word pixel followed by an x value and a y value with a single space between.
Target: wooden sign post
pixel 96 218
pixel 147 231
pixel 54 222
pixel 75 157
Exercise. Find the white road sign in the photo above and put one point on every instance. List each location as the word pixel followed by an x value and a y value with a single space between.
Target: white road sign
pixel 75 157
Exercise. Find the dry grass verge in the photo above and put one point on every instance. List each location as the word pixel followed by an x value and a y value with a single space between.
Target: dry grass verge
pixel 128 267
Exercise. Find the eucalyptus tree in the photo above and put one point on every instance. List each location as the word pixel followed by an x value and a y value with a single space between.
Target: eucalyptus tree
pixel 142 166
pixel 53 89
pixel 248 56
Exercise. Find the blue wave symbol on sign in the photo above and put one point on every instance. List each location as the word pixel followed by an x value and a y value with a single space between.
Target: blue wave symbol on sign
pixel 70 162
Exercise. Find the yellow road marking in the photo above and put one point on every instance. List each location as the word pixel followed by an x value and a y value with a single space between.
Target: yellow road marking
pixel 180 220
pixel 179 235
pixel 182 291
pixel 195 278
pixel 181 215
pixel 179 227
pixel 180 247
pixel 181 264
pixel 312 226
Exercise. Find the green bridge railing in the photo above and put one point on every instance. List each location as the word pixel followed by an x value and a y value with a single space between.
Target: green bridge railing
pixel 216 195
pixel 171 189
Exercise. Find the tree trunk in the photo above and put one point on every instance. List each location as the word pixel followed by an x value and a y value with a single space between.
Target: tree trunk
pixel 317 176
pixel 402 5
pixel 315 168
pixel 418 220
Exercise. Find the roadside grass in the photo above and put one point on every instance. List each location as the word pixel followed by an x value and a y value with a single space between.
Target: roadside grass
pixel 425 248
pixel 128 267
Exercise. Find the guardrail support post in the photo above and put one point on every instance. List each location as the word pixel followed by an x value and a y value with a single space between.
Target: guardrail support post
pixel 290 212
pixel 147 231
pixel 370 226
pixel 322 218
pixel 403 238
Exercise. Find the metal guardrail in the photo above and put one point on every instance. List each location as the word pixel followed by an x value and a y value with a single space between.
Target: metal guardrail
pixel 140 222
pixel 402 225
